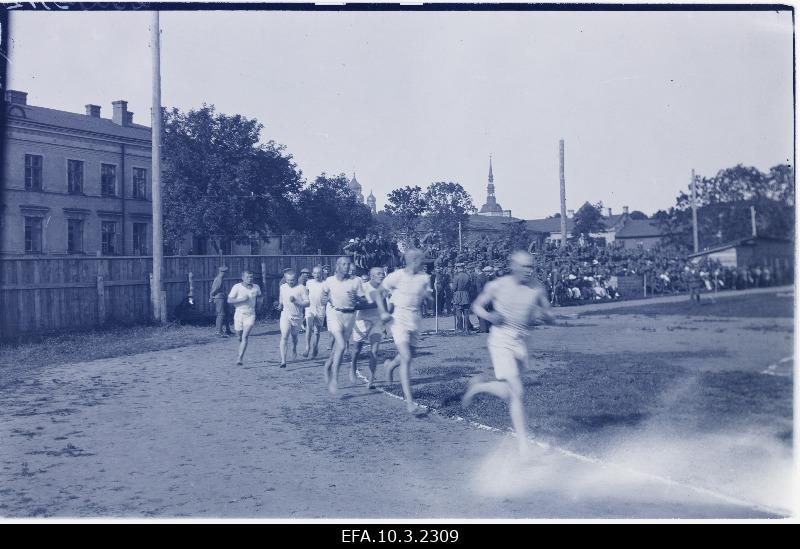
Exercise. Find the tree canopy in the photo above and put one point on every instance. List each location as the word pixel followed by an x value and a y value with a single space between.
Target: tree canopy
pixel 589 219
pixel 723 206
pixel 220 182
pixel 329 215
pixel 405 207
pixel 447 204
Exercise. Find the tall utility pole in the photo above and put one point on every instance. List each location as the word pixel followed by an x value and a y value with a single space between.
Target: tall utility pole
pixel 563 193
pixel 459 237
pixel 156 291
pixel 753 220
pixel 694 212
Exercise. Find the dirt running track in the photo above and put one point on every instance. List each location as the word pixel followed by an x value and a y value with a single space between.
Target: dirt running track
pixel 184 432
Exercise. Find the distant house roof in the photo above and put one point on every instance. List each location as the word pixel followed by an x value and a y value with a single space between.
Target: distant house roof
pixel 640 228
pixel 549 225
pixel 748 241
pixel 76 121
pixel 553 224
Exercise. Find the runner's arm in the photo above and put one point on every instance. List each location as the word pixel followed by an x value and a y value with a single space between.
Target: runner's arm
pixel 480 304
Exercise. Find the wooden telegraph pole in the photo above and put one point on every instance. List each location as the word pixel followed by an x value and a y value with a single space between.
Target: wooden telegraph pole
pixel 157 290
pixel 694 212
pixel 563 193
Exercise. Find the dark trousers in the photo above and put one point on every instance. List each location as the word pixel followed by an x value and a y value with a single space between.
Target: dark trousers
pixel 221 309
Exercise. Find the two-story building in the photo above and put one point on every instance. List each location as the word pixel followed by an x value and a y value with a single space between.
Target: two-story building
pixel 74 183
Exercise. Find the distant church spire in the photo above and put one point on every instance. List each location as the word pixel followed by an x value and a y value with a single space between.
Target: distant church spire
pixel 491 207
pixel 371 202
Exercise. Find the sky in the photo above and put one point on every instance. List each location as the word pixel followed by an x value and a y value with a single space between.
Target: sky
pixel 409 98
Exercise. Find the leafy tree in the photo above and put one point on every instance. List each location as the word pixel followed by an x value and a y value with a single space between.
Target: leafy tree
pixel 589 219
pixel 723 206
pixel 219 182
pixel 329 215
pixel 404 207
pixel 637 215
pixel 447 204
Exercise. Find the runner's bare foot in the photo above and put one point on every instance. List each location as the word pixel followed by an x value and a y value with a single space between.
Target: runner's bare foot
pixel 389 370
pixel 466 400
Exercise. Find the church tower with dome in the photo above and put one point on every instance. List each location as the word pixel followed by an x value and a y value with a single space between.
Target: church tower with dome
pixel 355 187
pixel 492 208
pixel 371 202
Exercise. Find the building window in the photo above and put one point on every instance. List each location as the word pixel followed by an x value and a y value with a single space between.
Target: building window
pixel 33 235
pixel 139 183
pixel 108 180
pixel 140 239
pixel 74 236
pixel 33 172
pixel 75 176
pixel 108 232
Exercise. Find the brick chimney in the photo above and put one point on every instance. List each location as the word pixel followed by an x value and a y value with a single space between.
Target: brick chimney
pixel 93 111
pixel 128 118
pixel 570 214
pixel 120 112
pixel 609 212
pixel 17 97
pixel 625 209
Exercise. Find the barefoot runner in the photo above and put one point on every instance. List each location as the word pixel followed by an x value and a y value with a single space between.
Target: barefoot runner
pixel 293 297
pixel 518 302
pixel 369 327
pixel 244 296
pixel 409 287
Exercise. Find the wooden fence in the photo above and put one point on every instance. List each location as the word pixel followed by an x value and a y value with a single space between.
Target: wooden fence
pixel 48 295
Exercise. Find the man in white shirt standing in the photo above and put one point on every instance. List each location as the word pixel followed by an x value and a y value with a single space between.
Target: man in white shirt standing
pixel 292 297
pixel 518 302
pixel 409 287
pixel 369 327
pixel 315 311
pixel 341 294
pixel 244 296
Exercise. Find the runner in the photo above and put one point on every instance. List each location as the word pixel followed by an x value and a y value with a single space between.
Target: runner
pixel 293 297
pixel 368 327
pixel 518 302
pixel 409 287
pixel 341 293
pixel 244 296
pixel 315 312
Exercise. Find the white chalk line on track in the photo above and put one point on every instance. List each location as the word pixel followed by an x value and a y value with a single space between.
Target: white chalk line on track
pixel 596 461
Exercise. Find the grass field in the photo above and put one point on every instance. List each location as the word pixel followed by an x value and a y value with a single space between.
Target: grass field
pixel 143 421
pixel 674 389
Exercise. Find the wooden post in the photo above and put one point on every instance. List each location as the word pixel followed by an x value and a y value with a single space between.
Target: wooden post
pixel 159 313
pixel 101 300
pixel 436 305
pixel 37 296
pixel 694 213
pixel 644 284
pixel 563 192
pixel 264 301
pixel 191 284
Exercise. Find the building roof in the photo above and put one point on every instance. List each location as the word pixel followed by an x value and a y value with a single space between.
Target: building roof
pixel 747 241
pixel 492 223
pixel 640 228
pixel 75 121
pixel 354 184
pixel 491 207
pixel 548 225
